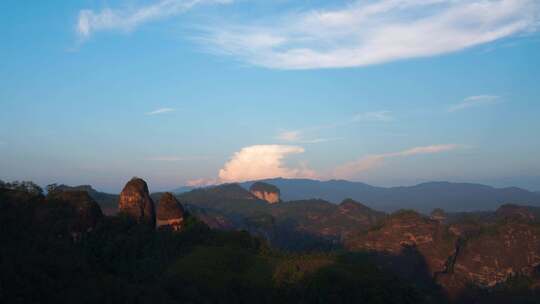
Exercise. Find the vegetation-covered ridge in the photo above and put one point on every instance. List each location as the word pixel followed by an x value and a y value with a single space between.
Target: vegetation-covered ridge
pixel 59 245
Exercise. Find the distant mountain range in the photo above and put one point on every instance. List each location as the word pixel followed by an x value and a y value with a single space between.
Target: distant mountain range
pixel 423 197
pixel 452 197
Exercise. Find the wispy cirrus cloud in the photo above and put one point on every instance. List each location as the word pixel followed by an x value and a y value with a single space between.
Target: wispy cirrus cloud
pixel 381 116
pixel 291 135
pixel 475 101
pixel 353 168
pixel 299 136
pixel 175 158
pixel 263 161
pixel 364 33
pixel 160 111
pixel 128 19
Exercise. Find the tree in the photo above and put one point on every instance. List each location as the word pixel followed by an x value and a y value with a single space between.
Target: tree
pixel 52 188
pixel 25 186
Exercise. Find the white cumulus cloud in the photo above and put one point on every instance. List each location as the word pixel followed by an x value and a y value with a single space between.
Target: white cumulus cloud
pixel 371 32
pixel 263 161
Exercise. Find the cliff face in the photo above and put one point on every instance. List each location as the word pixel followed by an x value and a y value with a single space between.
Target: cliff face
pixel 516 212
pixel 409 230
pixel 457 255
pixel 495 254
pixel 170 213
pixel 266 192
pixel 136 202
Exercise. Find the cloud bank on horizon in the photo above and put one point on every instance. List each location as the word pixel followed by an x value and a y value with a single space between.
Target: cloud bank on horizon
pixel 268 161
pixel 356 34
pixel 263 161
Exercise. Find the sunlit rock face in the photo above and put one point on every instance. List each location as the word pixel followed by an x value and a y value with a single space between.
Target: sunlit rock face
pixel 135 201
pixel 170 213
pixel 266 192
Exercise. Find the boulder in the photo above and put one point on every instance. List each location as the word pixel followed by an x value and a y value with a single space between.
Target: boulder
pixel 170 213
pixel 135 201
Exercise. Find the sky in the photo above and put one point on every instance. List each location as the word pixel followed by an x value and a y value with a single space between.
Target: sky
pixel 198 92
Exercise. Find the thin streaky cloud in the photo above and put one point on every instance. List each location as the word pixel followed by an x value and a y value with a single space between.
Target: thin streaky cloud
pixel 129 19
pixel 290 136
pixel 160 111
pixel 175 158
pixel 380 116
pixel 363 33
pixel 475 101
pixel 369 162
pixel 319 140
pixel 298 136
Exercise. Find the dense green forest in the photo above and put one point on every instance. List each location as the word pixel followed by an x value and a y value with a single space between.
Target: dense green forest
pixel 61 248
pixel 120 261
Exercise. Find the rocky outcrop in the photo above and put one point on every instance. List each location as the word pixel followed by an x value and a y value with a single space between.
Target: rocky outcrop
pixel 170 213
pixel 482 254
pixel 515 211
pixel 266 192
pixel 135 201
pixel 495 254
pixel 438 215
pixel 404 230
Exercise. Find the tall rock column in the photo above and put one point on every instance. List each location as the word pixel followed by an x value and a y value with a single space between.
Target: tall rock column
pixel 136 202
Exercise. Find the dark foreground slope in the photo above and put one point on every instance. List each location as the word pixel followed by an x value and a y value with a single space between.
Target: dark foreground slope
pixel 46 258
pixel 61 248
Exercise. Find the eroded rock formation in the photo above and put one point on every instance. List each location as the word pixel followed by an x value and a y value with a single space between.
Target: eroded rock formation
pixel 515 211
pixel 135 201
pixel 266 192
pixel 438 215
pixel 459 254
pixel 170 213
pixel 405 230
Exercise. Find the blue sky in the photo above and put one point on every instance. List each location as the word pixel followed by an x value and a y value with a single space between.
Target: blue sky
pixel 390 92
